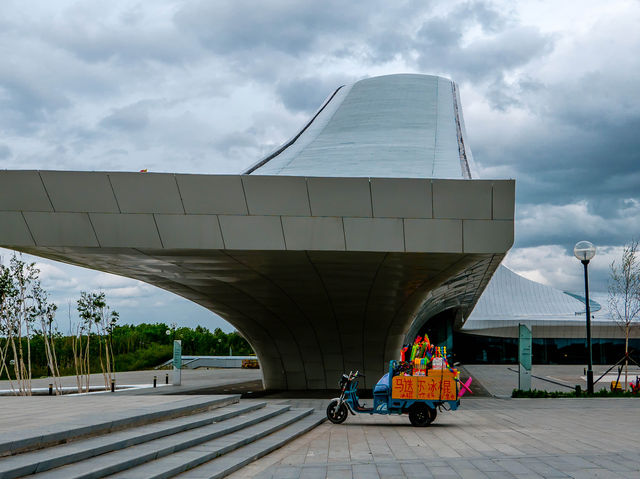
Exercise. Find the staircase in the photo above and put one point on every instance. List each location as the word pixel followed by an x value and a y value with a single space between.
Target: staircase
pixel 188 443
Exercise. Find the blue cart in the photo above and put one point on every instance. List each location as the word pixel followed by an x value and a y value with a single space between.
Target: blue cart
pixel 422 412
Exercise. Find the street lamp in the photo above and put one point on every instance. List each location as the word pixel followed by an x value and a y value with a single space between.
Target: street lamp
pixel 585 251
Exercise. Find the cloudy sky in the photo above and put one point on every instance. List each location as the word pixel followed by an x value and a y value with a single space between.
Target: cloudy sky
pixel 550 93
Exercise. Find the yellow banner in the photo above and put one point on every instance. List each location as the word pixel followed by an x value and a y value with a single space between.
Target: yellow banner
pixel 435 386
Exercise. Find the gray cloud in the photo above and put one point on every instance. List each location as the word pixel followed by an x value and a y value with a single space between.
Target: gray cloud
pixel 489 17
pixel 231 26
pixel 26 102
pixel 307 94
pixel 570 154
pixel 440 45
pixel 5 152
pixel 129 118
pixel 129 35
pixel 213 86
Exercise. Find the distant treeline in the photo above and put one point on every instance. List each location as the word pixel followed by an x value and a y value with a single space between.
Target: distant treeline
pixel 136 347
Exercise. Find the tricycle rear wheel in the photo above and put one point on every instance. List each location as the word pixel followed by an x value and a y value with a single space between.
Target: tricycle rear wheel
pixel 337 412
pixel 421 415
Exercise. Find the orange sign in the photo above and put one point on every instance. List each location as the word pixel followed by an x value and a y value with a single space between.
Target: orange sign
pixel 437 385
pixel 404 387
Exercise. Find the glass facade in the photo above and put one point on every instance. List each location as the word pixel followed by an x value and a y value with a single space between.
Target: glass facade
pixel 474 349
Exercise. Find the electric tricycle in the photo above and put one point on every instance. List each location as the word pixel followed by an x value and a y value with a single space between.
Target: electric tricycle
pixel 418 396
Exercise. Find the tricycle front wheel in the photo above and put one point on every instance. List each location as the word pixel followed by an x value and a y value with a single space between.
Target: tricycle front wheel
pixel 337 412
pixel 421 415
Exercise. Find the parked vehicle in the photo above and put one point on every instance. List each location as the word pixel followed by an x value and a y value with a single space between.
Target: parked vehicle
pixel 418 396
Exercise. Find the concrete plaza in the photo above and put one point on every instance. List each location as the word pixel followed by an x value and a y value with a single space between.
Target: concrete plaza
pixel 488 437
pixel 485 438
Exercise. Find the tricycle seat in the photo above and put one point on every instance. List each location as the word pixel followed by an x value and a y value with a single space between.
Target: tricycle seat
pixel 382 387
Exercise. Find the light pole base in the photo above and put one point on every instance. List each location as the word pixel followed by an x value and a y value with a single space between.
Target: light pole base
pixel 589 381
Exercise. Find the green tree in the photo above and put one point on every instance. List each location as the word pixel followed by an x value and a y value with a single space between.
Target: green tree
pixel 22 303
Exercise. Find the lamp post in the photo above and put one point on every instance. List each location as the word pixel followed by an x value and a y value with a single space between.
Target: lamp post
pixel 585 251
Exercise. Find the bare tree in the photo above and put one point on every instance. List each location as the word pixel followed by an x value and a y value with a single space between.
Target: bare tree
pixel 624 295
pixel 6 327
pixel 46 312
pixel 94 311
pixel 80 355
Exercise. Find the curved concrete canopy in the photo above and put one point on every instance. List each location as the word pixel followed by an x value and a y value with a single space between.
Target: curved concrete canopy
pixel 321 274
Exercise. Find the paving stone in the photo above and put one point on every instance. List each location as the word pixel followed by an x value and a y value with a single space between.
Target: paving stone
pixel 591 474
pixel 610 464
pixel 471 474
pixel 365 471
pixel 542 468
pixel 486 465
pixel 443 471
pixel 513 466
pixel 285 472
pixel 389 471
pixel 336 472
pixel 313 472
pixel 416 470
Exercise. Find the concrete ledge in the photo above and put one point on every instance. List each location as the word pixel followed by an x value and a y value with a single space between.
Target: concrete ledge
pixel 166 211
pixel 23 190
pixel 178 450
pixel 146 193
pixel 212 194
pixel 79 191
pixel 14 229
pixel 15 442
pixel 69 229
pixel 188 459
pixel 235 460
pixel 126 230
pixel 50 458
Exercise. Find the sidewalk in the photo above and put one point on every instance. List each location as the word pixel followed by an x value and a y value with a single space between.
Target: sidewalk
pixel 485 438
pixel 193 380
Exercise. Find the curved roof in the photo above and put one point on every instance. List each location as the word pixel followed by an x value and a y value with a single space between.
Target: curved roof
pixel 510 299
pixel 400 126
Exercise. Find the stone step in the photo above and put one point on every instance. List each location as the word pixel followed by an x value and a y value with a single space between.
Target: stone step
pixel 15 442
pixel 49 458
pixel 224 465
pixel 121 460
pixel 222 447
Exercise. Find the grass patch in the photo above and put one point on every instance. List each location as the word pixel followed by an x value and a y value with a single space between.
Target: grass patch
pixel 537 393
pixel 144 358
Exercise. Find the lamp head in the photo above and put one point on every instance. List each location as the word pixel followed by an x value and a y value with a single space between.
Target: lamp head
pixel 584 251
